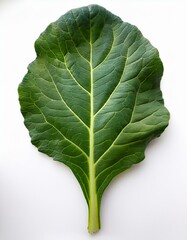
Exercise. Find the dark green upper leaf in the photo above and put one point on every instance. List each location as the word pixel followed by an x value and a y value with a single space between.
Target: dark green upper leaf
pixel 92 97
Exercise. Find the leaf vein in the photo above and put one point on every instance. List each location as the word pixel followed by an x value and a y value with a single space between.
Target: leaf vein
pixel 64 100
pixel 113 39
pixel 45 119
pixel 125 63
pixel 108 99
pixel 130 121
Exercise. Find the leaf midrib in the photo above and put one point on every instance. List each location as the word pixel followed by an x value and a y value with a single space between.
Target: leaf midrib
pixel 93 200
pixel 91 130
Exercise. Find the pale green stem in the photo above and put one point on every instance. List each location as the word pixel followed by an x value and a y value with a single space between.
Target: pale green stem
pixel 94 216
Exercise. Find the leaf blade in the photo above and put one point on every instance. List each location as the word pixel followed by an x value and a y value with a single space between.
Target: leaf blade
pixel 92 98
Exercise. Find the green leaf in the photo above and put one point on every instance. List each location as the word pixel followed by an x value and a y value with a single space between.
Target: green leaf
pixel 92 98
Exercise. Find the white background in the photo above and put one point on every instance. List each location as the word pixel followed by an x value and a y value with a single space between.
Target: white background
pixel 40 199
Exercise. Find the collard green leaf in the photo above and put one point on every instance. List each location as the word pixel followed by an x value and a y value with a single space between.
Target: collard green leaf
pixel 92 98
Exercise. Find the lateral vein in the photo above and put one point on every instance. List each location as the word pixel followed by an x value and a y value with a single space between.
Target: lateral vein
pixel 63 99
pixel 130 121
pixel 45 119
